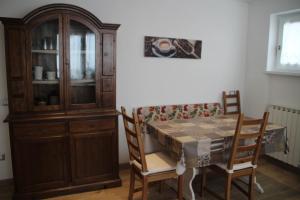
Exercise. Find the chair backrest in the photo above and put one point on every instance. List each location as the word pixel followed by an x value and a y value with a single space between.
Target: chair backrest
pixel 134 139
pixel 247 131
pixel 232 100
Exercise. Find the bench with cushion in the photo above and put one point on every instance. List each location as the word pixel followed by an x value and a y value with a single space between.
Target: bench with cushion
pixel 183 111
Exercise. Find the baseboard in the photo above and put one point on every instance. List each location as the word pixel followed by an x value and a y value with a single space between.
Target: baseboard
pixel 68 190
pixel 282 164
pixel 9 181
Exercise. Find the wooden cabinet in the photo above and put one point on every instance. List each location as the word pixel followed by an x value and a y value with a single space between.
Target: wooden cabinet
pixel 92 147
pixel 40 153
pixel 95 166
pixel 16 72
pixel 62 95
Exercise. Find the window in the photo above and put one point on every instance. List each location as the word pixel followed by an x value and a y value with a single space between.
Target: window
pixel 288 48
pixel 284 43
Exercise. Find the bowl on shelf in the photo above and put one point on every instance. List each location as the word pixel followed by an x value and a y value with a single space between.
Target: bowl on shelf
pixel 51 75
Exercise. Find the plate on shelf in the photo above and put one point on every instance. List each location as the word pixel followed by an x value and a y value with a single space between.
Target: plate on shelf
pixel 83 81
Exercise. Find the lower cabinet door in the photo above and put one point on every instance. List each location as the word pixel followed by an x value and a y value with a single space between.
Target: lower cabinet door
pixel 40 163
pixel 92 157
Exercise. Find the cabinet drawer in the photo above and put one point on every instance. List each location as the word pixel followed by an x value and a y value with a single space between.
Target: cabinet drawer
pixel 39 129
pixel 92 125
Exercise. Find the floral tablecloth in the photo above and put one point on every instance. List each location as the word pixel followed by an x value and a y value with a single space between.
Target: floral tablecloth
pixel 203 141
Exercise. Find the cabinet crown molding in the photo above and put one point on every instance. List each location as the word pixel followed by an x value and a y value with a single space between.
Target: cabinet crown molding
pixel 60 8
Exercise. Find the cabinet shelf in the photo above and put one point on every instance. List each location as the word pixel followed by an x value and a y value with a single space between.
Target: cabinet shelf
pixel 45 82
pixel 45 51
pixel 84 82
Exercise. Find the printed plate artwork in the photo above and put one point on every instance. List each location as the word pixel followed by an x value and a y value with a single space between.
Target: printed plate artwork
pixel 172 47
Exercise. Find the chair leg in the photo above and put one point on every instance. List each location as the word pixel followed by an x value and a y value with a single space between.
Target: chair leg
pixel 132 182
pixel 203 181
pixel 251 186
pixel 180 187
pixel 228 187
pixel 161 186
pixel 145 188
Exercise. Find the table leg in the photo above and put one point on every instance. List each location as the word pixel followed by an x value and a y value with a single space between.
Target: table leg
pixel 259 188
pixel 189 175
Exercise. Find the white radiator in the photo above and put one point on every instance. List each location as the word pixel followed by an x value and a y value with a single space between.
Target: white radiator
pixel 291 119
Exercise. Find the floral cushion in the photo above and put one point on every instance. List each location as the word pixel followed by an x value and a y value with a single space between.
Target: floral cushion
pixel 171 112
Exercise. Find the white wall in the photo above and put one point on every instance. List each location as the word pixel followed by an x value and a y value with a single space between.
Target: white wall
pixel 263 89
pixel 5 166
pixel 221 25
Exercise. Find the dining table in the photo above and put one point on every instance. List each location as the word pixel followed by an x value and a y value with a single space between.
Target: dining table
pixel 204 141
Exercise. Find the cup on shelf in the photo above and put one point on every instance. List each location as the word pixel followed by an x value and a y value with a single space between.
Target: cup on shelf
pixel 51 75
pixel 38 72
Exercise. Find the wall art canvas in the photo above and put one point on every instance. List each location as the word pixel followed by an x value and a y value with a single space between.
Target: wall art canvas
pixel 172 47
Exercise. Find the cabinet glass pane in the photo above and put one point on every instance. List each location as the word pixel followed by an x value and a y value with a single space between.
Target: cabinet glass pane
pixel 82 64
pixel 45 63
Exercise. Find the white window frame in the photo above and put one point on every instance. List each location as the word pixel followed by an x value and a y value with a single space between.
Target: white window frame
pixel 277 22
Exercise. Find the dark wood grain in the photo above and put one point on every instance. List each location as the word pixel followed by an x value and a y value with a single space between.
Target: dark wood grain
pixel 39 129
pixel 15 58
pixel 108 54
pixel 107 85
pixel 108 99
pixel 71 146
pixel 16 69
pixel 92 157
pixel 236 105
pixel 41 163
pixel 91 125
pixel 69 9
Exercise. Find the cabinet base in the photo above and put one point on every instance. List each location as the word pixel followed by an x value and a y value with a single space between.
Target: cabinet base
pixel 68 190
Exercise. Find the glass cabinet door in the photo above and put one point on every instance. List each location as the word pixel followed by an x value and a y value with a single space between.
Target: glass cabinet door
pixel 82 69
pixel 45 65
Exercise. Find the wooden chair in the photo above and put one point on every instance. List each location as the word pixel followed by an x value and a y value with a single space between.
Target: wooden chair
pixel 235 105
pixel 149 168
pixel 243 158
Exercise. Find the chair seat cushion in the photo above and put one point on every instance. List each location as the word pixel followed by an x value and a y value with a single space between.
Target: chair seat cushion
pixel 236 167
pixel 157 162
